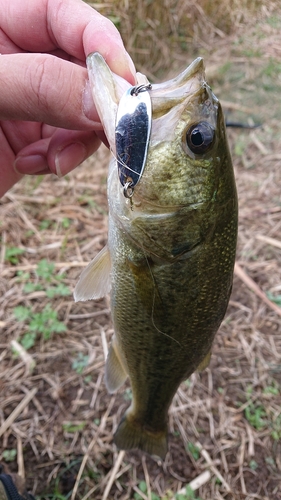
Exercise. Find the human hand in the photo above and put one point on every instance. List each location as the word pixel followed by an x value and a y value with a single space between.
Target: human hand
pixel 48 121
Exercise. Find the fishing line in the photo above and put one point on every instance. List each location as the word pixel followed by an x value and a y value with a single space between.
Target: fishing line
pixel 126 166
pixel 153 303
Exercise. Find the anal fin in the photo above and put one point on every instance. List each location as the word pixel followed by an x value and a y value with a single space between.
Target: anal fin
pixel 205 362
pixel 115 373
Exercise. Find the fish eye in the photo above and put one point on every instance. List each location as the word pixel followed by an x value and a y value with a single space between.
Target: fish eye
pixel 200 137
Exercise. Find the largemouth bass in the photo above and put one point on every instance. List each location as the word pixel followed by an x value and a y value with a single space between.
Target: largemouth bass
pixel 171 240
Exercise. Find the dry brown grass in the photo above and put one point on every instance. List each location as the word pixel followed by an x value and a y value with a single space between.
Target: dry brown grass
pixel 161 35
pixel 225 421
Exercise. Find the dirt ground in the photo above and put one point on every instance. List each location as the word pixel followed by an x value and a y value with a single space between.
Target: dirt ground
pixel 56 418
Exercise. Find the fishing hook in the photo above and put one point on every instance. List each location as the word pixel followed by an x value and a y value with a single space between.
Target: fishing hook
pixel 128 190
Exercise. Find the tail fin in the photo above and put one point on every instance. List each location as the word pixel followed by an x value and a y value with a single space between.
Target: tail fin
pixel 131 435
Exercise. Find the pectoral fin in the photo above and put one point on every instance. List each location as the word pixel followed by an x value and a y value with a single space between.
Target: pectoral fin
pixel 115 373
pixel 205 362
pixel 95 282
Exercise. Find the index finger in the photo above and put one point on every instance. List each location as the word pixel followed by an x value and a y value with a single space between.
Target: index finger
pixel 71 25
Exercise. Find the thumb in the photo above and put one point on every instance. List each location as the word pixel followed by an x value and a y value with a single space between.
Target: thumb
pixel 47 89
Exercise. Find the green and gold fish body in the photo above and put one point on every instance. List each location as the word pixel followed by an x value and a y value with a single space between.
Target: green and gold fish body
pixel 171 256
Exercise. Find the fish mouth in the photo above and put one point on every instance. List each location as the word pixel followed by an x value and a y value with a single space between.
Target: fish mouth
pixel 108 88
pixel 171 93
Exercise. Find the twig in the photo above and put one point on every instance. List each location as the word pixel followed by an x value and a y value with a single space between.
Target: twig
pixel 215 471
pixel 20 459
pixel 30 267
pixel 24 217
pixel 140 493
pixel 24 355
pixel 251 441
pixel 196 483
pixel 270 241
pixel 48 200
pixel 113 474
pixel 82 466
pixel 146 475
pixel 258 144
pixel 87 315
pixel 92 490
pixel 255 288
pixel 241 462
pixel 90 447
pixel 8 422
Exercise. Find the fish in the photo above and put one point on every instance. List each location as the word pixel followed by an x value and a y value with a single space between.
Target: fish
pixel 168 264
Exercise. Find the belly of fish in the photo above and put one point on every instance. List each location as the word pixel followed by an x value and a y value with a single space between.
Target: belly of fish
pixel 165 316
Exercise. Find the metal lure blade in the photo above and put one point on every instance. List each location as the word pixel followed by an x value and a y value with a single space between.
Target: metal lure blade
pixel 132 133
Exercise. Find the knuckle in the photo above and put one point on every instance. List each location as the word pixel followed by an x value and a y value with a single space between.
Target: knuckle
pixel 38 80
pixel 48 86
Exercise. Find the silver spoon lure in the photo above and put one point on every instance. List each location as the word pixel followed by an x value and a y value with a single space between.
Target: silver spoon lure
pixel 132 134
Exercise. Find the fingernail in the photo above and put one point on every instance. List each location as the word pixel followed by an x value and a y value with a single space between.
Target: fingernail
pixel 69 158
pixel 33 164
pixel 124 67
pixel 89 108
pixel 131 68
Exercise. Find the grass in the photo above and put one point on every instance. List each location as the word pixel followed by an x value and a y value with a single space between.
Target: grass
pixel 12 254
pixel 9 455
pixel 225 420
pixel 44 322
pixel 176 28
pixel 80 362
